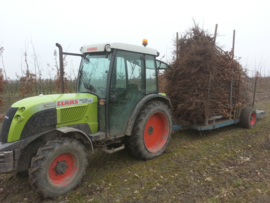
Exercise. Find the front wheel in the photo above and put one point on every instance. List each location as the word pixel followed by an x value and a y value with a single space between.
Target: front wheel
pixel 58 167
pixel 152 131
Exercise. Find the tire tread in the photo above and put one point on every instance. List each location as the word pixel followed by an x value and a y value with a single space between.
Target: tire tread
pixel 245 117
pixel 134 141
pixel 35 170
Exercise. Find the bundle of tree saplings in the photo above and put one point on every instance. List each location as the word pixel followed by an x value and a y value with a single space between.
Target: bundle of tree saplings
pixel 200 81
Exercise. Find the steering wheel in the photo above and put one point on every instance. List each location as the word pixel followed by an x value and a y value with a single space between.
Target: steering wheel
pixel 102 90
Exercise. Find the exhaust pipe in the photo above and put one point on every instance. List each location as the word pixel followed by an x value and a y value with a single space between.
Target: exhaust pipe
pixel 61 68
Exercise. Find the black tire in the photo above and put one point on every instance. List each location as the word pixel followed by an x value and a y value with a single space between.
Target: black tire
pixel 248 117
pixel 22 174
pixel 149 139
pixel 58 167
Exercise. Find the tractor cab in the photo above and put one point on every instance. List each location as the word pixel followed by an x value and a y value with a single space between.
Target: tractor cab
pixel 120 75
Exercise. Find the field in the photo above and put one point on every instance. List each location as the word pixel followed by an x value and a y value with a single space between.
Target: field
pixel 230 164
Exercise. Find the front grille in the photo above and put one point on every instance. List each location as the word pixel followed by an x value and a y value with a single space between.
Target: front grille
pixel 6 156
pixel 72 114
pixel 6 162
pixel 6 124
pixel 2 158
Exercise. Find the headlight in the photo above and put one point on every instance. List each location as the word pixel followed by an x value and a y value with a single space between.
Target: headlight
pixel 19 118
pixel 21 109
pixel 108 48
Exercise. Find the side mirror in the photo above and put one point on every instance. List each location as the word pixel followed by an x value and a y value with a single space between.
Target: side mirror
pixel 162 65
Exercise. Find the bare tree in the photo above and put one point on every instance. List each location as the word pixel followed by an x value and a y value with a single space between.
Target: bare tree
pixel 2 80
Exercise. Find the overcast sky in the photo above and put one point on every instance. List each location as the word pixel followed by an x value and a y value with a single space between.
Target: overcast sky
pixel 75 23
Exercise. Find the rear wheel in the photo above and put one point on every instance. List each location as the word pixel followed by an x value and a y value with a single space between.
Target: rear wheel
pixel 248 117
pixel 58 167
pixel 152 131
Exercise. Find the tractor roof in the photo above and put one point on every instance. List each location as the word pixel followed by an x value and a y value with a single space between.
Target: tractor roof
pixel 121 46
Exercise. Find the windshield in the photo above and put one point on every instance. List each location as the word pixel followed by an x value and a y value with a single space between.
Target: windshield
pixel 93 74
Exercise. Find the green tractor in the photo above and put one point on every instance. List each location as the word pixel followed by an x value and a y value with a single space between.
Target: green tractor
pixel 117 105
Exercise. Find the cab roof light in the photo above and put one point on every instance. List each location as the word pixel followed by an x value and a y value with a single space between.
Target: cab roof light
pixel 108 48
pixel 145 42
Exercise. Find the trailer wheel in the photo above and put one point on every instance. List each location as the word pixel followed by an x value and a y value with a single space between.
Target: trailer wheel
pixel 248 117
pixel 58 167
pixel 151 132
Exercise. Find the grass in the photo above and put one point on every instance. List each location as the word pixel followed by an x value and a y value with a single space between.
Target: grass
pixel 229 164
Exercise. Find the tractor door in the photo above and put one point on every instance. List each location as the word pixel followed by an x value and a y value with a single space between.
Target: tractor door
pixel 130 82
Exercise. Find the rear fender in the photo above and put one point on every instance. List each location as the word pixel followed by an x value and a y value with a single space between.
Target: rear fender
pixel 140 104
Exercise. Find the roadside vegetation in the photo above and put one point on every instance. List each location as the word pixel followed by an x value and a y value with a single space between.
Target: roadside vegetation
pixel 31 80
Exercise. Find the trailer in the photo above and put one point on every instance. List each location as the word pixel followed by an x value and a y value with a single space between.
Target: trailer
pixel 218 122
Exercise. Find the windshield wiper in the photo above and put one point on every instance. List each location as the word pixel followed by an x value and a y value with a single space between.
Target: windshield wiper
pixel 87 59
pixel 88 86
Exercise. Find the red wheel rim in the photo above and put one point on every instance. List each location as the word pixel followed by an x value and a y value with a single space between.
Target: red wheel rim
pixel 156 132
pixel 62 170
pixel 253 118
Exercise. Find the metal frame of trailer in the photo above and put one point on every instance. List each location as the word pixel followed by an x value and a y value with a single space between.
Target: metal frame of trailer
pixel 216 124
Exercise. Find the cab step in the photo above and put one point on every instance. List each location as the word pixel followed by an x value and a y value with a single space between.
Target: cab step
pixel 112 150
pixel 97 136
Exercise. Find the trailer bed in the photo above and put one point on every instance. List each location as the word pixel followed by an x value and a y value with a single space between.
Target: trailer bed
pixel 216 124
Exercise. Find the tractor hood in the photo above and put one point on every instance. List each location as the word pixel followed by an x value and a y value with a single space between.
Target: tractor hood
pixel 43 102
pixel 34 115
